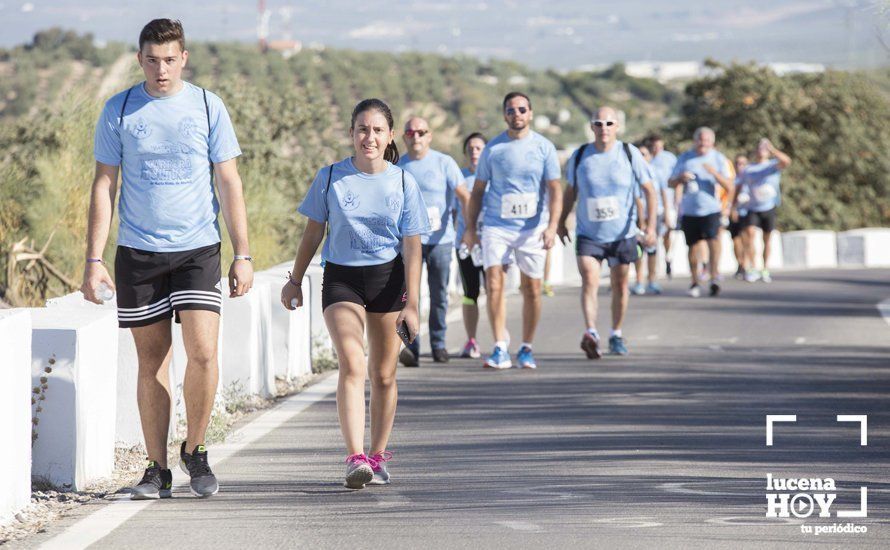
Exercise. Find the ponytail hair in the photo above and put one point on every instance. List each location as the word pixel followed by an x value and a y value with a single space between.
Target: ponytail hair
pixel 392 151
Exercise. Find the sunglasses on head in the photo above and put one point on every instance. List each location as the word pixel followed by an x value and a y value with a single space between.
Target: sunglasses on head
pixel 416 133
pixel 600 123
pixel 512 111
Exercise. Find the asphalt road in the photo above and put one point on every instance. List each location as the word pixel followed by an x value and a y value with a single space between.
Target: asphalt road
pixel 664 448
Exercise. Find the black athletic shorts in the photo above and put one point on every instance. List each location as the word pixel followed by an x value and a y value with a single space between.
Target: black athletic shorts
pixel 625 251
pixel 470 276
pixel 764 220
pixel 735 228
pixel 379 288
pixel 697 228
pixel 151 286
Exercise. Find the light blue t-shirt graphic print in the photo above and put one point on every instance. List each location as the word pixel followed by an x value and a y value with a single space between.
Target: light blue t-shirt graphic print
pixel 437 175
pixel 606 186
pixel 516 171
pixel 165 151
pixel 368 215
pixel 700 196
pixel 761 182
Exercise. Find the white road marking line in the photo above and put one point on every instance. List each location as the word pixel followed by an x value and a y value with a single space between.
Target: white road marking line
pixel 800 340
pixel 714 347
pixel 100 523
pixel 653 337
pixel 520 526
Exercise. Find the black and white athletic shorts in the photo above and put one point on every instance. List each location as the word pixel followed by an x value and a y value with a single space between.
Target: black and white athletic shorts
pixel 151 286
pixel 378 288
pixel 625 251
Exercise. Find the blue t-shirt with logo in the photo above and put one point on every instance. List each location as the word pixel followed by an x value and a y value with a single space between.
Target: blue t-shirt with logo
pixel 761 182
pixel 606 184
pixel 662 166
pixel 516 171
pixel 702 201
pixel 368 215
pixel 165 148
pixel 437 175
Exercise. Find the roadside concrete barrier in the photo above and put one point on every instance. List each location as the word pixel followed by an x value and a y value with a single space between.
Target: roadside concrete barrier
pixel 809 249
pixel 868 247
pixel 15 411
pixel 75 429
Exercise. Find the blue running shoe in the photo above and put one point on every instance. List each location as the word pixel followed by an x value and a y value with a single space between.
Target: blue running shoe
pixel 525 358
pixel 654 288
pixel 616 346
pixel 499 359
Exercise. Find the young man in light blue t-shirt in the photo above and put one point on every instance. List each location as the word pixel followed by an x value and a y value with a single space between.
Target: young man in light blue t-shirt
pixel 170 141
pixel 519 193
pixel 439 178
pixel 606 177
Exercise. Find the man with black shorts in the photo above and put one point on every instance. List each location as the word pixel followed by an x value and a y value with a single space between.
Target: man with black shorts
pixel 605 176
pixel 700 171
pixel 170 141
pixel 760 182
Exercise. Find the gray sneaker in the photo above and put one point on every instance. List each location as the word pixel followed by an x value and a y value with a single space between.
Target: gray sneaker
pixel 155 483
pixel 203 482
pixel 358 471
pixel 381 474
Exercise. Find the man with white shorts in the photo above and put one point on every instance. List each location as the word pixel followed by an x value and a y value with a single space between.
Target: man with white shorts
pixel 518 191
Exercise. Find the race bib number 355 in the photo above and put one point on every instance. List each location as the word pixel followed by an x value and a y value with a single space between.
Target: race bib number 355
pixel 603 209
pixel 519 205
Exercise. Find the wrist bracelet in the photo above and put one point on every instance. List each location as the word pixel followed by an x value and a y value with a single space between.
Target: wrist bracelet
pixel 95 261
pixel 241 257
pixel 293 282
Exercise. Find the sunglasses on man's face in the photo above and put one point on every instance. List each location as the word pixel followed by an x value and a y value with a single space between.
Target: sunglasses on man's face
pixel 416 133
pixel 512 111
pixel 601 123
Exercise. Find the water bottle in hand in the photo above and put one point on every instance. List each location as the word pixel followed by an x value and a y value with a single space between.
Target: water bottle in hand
pixel 104 292
pixel 476 253
pixel 692 185
pixel 463 252
pixel 293 303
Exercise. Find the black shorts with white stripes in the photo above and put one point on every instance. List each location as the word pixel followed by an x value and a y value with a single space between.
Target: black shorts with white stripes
pixel 151 286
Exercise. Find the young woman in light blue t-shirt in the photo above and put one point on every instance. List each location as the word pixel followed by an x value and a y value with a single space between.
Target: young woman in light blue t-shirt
pixel 375 216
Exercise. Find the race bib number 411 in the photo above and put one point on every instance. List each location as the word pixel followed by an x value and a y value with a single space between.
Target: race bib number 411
pixel 604 209
pixel 519 205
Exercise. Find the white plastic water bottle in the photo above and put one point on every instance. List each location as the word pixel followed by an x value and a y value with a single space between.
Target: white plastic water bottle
pixel 476 253
pixel 104 292
pixel 293 303
pixel 463 252
pixel 692 185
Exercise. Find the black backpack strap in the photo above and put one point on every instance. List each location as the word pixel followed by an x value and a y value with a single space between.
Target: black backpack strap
pixel 327 189
pixel 120 121
pixel 207 110
pixel 577 162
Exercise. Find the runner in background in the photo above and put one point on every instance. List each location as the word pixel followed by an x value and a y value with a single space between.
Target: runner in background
pixel 662 163
pixel 738 210
pixel 471 274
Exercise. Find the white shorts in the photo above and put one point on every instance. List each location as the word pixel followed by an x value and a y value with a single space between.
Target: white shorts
pixel 500 247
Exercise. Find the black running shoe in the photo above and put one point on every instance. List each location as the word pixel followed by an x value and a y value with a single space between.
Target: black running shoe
pixel 440 355
pixel 156 483
pixel 203 482
pixel 715 289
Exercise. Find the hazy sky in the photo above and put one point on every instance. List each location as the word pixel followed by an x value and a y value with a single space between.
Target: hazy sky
pixel 555 33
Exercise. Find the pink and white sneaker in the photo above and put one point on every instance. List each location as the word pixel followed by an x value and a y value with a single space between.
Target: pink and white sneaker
pixel 381 475
pixel 471 350
pixel 358 471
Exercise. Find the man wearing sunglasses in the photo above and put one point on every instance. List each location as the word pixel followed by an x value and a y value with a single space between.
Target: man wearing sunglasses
pixel 439 178
pixel 518 191
pixel 700 171
pixel 605 176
